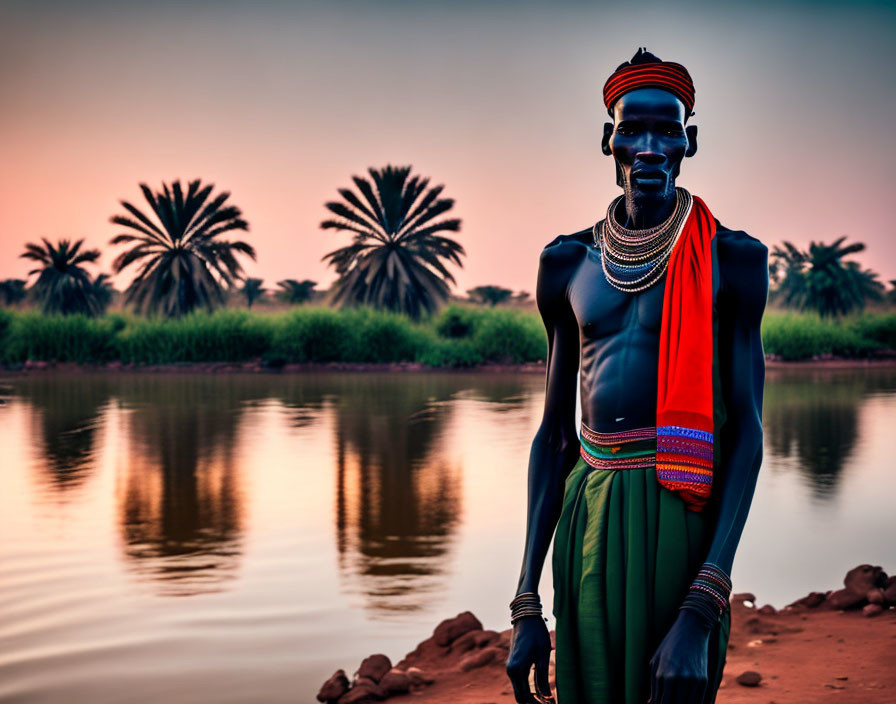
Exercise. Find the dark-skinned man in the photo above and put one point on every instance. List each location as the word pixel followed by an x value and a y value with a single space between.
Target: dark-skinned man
pixel 660 305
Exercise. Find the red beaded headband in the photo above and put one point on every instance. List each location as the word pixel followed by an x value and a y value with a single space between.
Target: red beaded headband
pixel 665 75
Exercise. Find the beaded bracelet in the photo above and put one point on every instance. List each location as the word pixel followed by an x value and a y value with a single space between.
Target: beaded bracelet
pixel 525 604
pixel 709 592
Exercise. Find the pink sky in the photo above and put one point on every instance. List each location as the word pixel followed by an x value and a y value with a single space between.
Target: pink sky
pixel 281 104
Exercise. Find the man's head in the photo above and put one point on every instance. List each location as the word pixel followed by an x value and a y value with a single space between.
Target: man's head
pixel 650 102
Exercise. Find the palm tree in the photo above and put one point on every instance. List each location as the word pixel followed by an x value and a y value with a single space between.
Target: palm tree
pixel 103 291
pixel 891 294
pixel 835 287
pixel 185 264
pixel 787 271
pixel 397 257
pixel 12 291
pixel 293 291
pixel 63 285
pixel 252 289
pixel 493 295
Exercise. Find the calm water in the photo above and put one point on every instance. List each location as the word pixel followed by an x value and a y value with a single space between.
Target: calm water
pixel 237 538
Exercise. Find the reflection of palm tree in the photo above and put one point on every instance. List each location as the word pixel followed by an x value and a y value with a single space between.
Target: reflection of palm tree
pixel 815 420
pixel 63 285
pixel 397 504
pixel 69 411
pixel 181 505
pixel 184 262
pixel 395 260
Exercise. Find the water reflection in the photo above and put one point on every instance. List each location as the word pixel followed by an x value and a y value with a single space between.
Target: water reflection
pixel 398 498
pixel 66 415
pixel 813 417
pixel 180 495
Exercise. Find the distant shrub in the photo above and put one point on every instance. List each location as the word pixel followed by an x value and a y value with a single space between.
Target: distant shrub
pixel 798 336
pixel 62 338
pixel 456 321
pixel 503 335
pixel 384 337
pixel 225 335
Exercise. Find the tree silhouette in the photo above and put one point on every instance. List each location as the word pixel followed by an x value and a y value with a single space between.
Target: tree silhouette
pixel 12 291
pixel 821 280
pixel 184 263
pixel 493 295
pixel 252 290
pixel 293 291
pixel 63 285
pixel 397 258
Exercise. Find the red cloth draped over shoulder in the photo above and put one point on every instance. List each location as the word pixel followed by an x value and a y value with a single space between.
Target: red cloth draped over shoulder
pixel 684 416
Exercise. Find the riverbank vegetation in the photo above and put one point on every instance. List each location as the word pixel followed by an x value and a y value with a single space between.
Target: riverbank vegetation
pixel 458 335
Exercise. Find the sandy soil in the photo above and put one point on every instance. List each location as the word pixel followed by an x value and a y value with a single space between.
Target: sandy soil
pixel 804 655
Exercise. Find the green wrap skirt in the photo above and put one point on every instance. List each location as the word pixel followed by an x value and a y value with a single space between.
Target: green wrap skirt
pixel 625 553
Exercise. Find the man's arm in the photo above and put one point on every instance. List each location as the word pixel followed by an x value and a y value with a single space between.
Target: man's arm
pixel 555 447
pixel 554 452
pixel 679 666
pixel 742 369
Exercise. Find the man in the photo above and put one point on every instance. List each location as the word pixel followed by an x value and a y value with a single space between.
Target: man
pixel 661 304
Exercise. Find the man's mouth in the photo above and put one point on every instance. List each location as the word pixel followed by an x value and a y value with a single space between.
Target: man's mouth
pixel 649 178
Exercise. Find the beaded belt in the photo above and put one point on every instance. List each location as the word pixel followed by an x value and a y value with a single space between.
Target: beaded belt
pixel 627 449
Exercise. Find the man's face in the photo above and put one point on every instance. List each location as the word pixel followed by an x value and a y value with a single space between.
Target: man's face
pixel 648 141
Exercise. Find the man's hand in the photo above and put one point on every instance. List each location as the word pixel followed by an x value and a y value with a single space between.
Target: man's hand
pixel 678 669
pixel 530 645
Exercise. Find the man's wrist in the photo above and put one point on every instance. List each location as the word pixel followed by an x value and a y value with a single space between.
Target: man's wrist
pixel 707 598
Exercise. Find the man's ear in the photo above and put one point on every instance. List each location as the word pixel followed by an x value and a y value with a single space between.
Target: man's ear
pixel 605 141
pixel 691 132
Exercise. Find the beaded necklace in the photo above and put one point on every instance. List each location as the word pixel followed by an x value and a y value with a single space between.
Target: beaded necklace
pixel 633 260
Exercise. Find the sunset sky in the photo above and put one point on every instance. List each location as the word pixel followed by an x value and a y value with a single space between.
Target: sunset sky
pixel 280 103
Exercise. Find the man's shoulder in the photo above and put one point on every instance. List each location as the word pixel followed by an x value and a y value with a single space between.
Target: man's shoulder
pixel 737 248
pixel 566 248
pixel 743 264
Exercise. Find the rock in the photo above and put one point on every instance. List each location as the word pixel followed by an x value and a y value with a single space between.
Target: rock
pixel 478 659
pixel 750 678
pixel 374 667
pixel 334 687
pixel 845 599
pixel 864 577
pixel 484 638
pixel 395 682
pixel 875 596
pixel 451 629
pixel 768 610
pixel 744 596
pixel 363 691
pixel 890 591
pixel 872 610
pixel 811 600
pixel 466 642
pixel 418 677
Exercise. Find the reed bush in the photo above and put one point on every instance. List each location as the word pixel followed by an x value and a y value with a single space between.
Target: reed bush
pixel 458 336
pixel 31 335
pixel 799 336
pixel 505 335
pixel 225 335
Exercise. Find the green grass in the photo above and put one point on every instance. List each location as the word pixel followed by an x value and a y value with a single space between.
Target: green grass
pixel 457 336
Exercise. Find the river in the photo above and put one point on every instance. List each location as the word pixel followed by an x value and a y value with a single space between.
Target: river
pixel 238 537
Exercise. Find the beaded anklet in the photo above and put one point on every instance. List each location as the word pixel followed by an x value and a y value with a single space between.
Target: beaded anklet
pixel 709 593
